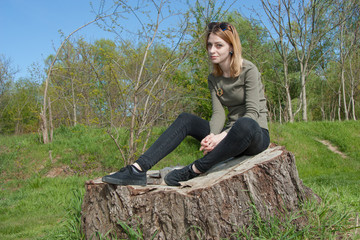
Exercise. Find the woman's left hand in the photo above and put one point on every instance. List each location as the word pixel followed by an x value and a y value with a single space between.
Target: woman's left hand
pixel 211 141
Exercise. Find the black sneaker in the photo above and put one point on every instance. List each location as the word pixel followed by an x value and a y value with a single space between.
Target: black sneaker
pixel 126 176
pixel 178 175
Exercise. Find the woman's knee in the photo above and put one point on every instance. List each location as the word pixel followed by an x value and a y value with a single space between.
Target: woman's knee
pixel 186 116
pixel 196 126
pixel 245 124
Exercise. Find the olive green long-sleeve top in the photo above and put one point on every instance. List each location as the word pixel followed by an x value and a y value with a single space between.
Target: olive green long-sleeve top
pixel 242 95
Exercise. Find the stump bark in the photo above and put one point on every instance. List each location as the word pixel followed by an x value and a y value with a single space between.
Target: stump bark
pixel 214 204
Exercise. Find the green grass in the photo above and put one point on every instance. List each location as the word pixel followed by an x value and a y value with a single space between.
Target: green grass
pixel 326 220
pixel 33 206
pixel 320 168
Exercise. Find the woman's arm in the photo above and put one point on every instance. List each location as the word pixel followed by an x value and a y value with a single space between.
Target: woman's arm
pixel 252 93
pixel 218 113
pixel 216 123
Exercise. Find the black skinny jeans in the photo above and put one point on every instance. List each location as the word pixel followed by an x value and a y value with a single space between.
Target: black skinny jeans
pixel 245 137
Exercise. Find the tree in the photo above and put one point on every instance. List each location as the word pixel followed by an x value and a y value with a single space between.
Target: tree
pixel 347 35
pixel 45 123
pixel 144 66
pixel 354 76
pixel 20 114
pixel 7 74
pixel 275 15
pixel 306 25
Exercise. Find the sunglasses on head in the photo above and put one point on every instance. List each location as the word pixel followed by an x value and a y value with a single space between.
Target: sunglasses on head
pixel 219 25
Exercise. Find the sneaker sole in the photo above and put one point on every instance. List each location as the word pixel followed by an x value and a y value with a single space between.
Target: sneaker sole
pixel 123 182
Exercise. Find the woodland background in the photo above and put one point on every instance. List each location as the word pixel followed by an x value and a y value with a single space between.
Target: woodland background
pixel 306 50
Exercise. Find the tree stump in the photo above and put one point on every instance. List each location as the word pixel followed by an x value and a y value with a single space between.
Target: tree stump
pixel 214 204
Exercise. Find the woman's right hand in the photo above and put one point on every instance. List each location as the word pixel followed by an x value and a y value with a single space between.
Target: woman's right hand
pixel 206 144
pixel 211 141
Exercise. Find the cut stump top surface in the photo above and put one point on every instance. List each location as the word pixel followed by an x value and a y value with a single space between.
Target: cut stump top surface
pixel 219 172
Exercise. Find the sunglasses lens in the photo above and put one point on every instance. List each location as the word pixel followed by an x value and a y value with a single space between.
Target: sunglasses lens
pixel 223 26
pixel 212 25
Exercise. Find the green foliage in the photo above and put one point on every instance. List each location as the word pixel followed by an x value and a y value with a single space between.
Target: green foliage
pixel 20 112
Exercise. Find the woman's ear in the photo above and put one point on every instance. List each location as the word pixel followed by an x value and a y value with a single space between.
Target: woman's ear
pixel 231 50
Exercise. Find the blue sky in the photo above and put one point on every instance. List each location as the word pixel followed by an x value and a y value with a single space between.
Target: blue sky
pixel 29 29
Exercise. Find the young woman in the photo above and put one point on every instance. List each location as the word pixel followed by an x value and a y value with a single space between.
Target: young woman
pixel 235 84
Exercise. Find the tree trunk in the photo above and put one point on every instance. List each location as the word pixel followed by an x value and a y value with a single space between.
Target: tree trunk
pixel 280 111
pixel 353 104
pixel 288 99
pixel 216 203
pixel 352 90
pixel 339 102
pixel 304 100
pixel 51 126
pixel 344 93
pixel 343 56
pixel 73 102
pixel 44 125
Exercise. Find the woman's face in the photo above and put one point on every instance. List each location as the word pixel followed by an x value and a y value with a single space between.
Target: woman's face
pixel 218 50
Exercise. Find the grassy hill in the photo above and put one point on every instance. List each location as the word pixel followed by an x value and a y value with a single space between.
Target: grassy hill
pixel 42 185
